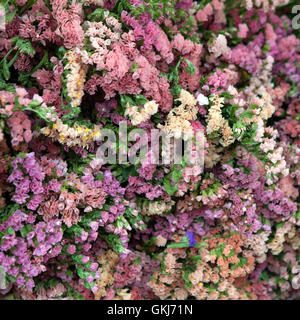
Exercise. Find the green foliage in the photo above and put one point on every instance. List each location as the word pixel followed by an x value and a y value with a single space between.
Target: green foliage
pixel 241 263
pixel 132 100
pixel 123 173
pixel 114 242
pixel 187 270
pixel 211 188
pixel 173 78
pixel 7 211
pixel 190 68
pixel 25 230
pixel 35 106
pixel 169 186
pixel 218 251
pixel 23 45
pixel 24 77
pixel 183 243
pixel 134 220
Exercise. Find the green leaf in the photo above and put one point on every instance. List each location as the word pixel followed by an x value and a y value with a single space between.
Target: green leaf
pixel 190 69
pixel 196 258
pixel 134 67
pixel 184 243
pixel 279 225
pixel 218 251
pixel 9 16
pixel 226 95
pixel 246 114
pixel 124 99
pixel 34 103
pixel 75 229
pixel 96 15
pixel 10 278
pixel 140 99
pixel 213 135
pixel 114 241
pixel 176 174
pixel 7 86
pixel 61 52
pixel 6 72
pixel 264 276
pixel 81 273
pixel 77 258
pixel 175 90
pixel 25 230
pixel 24 45
pixel 185 275
pixel 265 48
pixel 201 244
pixel 10 230
pixel 74 111
pixel 170 189
pixel 89 285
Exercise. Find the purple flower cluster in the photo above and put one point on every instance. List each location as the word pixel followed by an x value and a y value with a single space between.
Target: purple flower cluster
pixel 27 246
pixel 27 177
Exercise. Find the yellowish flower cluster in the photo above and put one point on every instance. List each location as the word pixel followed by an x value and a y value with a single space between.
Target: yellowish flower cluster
pixel 178 120
pixel 98 3
pixel 157 207
pixel 216 122
pixel 187 99
pixel 1 130
pixel 138 114
pixel 286 231
pixel 108 260
pixel 72 136
pixel 76 77
pixel 275 154
pixel 122 294
pixel 214 153
pixel 258 243
pixel 160 241
pixel 266 5
pixel 257 92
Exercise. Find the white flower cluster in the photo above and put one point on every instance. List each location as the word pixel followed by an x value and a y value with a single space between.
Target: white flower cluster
pixel 202 100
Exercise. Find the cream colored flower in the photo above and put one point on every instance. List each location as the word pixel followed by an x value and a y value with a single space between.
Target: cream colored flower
pixel 151 107
pixel 178 123
pixel 216 122
pixel 76 77
pixel 161 241
pixel 187 99
pixel 138 114
pixel 157 207
pixel 72 136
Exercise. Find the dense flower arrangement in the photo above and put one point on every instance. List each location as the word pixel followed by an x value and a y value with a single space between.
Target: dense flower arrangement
pixel 75 227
